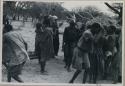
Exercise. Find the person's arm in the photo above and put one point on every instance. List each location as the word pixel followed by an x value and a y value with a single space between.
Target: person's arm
pixel 65 35
pixel 64 38
pixel 26 46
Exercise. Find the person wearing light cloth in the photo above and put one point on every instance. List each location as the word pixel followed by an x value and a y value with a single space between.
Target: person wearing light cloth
pixel 14 53
pixel 80 56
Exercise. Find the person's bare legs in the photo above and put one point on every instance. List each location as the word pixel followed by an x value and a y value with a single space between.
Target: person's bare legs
pixel 43 64
pixel 85 75
pixel 75 76
pixel 17 78
pixel 8 77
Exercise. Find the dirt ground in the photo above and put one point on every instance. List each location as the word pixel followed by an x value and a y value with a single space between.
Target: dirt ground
pixel 55 67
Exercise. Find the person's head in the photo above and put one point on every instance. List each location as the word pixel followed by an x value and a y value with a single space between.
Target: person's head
pixel 87 35
pixel 96 28
pixel 38 26
pixel 88 27
pixel 7 28
pixel 111 29
pixel 79 25
pixel 72 23
pixel 46 21
pixel 118 31
pixel 54 18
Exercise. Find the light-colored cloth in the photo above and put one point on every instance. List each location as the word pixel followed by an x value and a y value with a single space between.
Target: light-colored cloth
pixel 80 59
pixel 14 49
pixel 84 45
pixel 80 55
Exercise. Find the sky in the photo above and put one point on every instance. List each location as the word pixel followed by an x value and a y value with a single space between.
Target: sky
pixel 99 4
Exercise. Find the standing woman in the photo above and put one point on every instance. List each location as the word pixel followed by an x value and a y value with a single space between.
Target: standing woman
pixel 14 53
pixel 45 45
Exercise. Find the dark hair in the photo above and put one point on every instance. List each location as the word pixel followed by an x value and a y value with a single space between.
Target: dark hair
pixel 38 25
pixel 72 23
pixel 96 25
pixel 7 28
pixel 111 29
pixel 88 26
pixel 96 28
pixel 118 31
pixel 46 21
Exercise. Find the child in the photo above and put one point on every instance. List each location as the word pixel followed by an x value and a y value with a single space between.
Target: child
pixel 80 56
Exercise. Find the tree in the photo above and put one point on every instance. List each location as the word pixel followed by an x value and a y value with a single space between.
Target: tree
pixel 117 8
pixel 9 8
pixel 86 13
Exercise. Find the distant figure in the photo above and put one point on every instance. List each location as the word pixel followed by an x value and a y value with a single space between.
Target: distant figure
pixel 37 39
pixel 70 39
pixel 14 53
pixel 5 20
pixel 44 45
pixel 81 57
pixel 55 28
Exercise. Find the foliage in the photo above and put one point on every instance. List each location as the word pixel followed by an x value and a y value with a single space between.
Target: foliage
pixel 87 13
pixel 32 9
pixel 117 8
pixel 107 21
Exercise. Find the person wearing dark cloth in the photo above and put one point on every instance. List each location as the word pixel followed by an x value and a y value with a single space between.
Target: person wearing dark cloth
pixel 14 53
pixel 70 39
pixel 55 35
pixel 46 20
pixel 45 46
pixel 110 50
pixel 97 56
pixel 80 55
pixel 38 26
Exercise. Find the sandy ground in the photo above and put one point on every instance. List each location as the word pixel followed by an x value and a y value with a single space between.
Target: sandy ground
pixel 55 67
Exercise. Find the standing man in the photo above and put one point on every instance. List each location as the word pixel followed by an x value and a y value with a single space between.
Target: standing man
pixel 97 56
pixel 70 39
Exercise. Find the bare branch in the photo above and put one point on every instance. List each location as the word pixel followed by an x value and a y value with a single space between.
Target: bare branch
pixel 112 8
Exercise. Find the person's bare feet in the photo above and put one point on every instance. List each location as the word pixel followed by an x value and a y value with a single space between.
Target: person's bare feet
pixel 44 73
pixel 68 69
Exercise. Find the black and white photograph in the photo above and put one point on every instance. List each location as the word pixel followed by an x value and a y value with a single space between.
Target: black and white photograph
pixel 69 42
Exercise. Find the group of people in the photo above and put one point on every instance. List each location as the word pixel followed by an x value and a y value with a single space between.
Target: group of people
pixel 15 47
pixel 94 48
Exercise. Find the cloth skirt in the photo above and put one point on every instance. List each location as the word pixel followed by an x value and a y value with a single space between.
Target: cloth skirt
pixel 15 70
